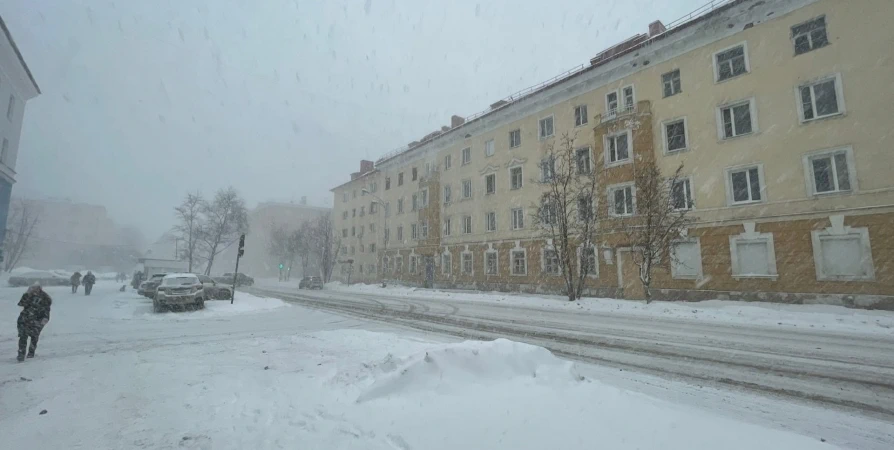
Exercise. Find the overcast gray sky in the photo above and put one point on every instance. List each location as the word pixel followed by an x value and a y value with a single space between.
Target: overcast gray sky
pixel 145 100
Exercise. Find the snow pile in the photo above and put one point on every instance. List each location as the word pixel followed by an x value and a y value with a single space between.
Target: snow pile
pixel 244 304
pixel 451 368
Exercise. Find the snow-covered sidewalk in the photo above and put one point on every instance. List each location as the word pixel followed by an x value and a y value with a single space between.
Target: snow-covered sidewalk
pixel 261 374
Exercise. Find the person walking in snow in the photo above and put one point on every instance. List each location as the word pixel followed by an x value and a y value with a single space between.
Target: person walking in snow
pixel 89 281
pixel 75 281
pixel 35 314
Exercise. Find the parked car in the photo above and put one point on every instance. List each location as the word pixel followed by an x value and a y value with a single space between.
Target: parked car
pixel 241 280
pixel 214 290
pixel 147 288
pixel 179 289
pixel 43 277
pixel 310 283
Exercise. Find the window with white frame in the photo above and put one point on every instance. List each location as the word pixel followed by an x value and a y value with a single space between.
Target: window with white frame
pixel 830 171
pixel 414 204
pixel 617 148
pixel 424 194
pixel 810 35
pixel 518 218
pixel 547 168
pixel 388 209
pixel 736 119
pixel 353 212
pixel 467 188
pixel 490 183
pixel 489 148
pixel 387 183
pixel 670 83
pixel 400 179
pixel 686 259
pixel 550 262
pixel 629 99
pixel 414 231
pixel 611 103
pixel 490 262
pixel 467 224
pixel 490 221
pixel 467 263
pixel 730 63
pixel 372 248
pixel 400 233
pixel 675 135
pixel 362 211
pixel 681 194
pixel 585 208
pixel 515 178
pixel 519 262
pixel 398 264
pixel 414 174
pixel 352 250
pixel 515 138
pixel 820 99
pixel 753 256
pixel 580 115
pixel 424 229
pixel 447 226
pixel 344 232
pixel 373 187
pixel 745 185
pixel 344 215
pixel 844 255
pixel 400 205
pixel 448 161
pixel 582 157
pixel 344 197
pixel 446 263
pixel 412 264
pixel 467 155
pixel 588 261
pixel 546 127
pixel 620 199
pixel 549 211
pixel 448 194
pixel 372 227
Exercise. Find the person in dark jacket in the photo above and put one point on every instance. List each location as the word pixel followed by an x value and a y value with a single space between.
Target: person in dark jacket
pixel 89 281
pixel 75 281
pixel 35 314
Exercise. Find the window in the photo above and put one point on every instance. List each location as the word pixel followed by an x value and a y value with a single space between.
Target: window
pixel 820 99
pixel 11 109
pixel 400 179
pixel 446 262
pixel 344 215
pixel 467 263
pixel 352 250
pixel 448 194
pixel 550 262
pixel 448 161
pixel 830 171
pixel 414 204
pixel 344 197
pixel 514 138
pixel 744 185
pixel 753 255
pixel 629 100
pixel 372 248
pixel 398 264
pixel 362 248
pixel 585 208
pixel 387 234
pixel 400 206
pixel 414 174
pixel 519 262
pixel 580 115
pixel 467 188
pixel 735 119
pixel 671 83
pixel 675 139
pixel 518 218
pixel 490 183
pixel 372 227
pixel 447 226
pixel 362 211
pixel 361 268
pixel 412 268
pixel 490 263
pixel 686 259
pixel 490 221
pixel 810 35
pixel 467 155
pixel 467 224
pixel 611 103
pixel 355 193
pixel 388 209
pixel 681 194
pixel 414 231
pixel 582 155
pixel 353 212
pixel 344 232
pixel 617 148
pixel 400 233
pixel 489 148
pixel 548 211
pixel 353 231
pixel 424 229
pixel 842 255
pixel 373 207
pixel 588 261
pixel 547 168
pixel 546 127
pixel 515 178
pixel 621 200
pixel 373 187
pixel 387 183
pixel 730 63
pixel 424 197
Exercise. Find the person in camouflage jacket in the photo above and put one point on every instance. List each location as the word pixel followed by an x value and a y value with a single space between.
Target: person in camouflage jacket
pixel 35 314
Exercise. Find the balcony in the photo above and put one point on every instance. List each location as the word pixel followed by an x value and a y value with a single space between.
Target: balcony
pixel 615 114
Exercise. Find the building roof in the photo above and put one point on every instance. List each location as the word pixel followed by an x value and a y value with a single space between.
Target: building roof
pixel 359 177
pixel 15 48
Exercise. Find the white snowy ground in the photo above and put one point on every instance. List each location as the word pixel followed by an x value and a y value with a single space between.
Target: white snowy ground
pixel 263 374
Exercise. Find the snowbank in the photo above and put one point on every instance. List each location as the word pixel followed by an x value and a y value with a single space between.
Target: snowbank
pixel 243 304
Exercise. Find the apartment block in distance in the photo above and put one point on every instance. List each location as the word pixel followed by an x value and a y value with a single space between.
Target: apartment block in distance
pixel 777 109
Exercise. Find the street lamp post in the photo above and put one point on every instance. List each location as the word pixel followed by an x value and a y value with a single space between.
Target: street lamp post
pixel 384 231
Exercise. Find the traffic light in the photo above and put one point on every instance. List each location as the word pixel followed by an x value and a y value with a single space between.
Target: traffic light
pixel 241 245
pixel 280 266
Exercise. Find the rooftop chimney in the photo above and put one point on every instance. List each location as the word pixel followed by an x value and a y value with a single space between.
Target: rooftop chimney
pixel 656 28
pixel 456 121
pixel 445 128
pixel 355 175
pixel 366 166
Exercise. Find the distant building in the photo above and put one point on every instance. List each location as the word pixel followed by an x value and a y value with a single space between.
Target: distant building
pixel 17 86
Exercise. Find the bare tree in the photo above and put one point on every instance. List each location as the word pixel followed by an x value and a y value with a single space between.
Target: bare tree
pixel 566 215
pixel 300 245
pixel 24 216
pixel 662 216
pixel 189 227
pixel 325 244
pixel 224 219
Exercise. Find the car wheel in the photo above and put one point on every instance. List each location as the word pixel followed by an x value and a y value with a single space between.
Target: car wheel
pixel 200 304
pixel 156 306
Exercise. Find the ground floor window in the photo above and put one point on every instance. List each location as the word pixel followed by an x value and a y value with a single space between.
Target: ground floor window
pixel 490 263
pixel 467 263
pixel 686 259
pixel 551 262
pixel 446 261
pixel 413 262
pixel 843 255
pixel 519 262
pixel 753 255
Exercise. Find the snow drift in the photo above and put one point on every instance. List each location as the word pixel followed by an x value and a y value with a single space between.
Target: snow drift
pixel 454 367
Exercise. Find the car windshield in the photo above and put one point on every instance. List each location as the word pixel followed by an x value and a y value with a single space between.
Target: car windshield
pixel 179 281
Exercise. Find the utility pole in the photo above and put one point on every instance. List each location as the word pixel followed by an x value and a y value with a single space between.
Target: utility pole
pixel 236 273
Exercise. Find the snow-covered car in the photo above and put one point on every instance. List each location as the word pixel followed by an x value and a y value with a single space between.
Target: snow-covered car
pixel 214 290
pixel 45 278
pixel 179 289
pixel 147 288
pixel 310 283
pixel 241 280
